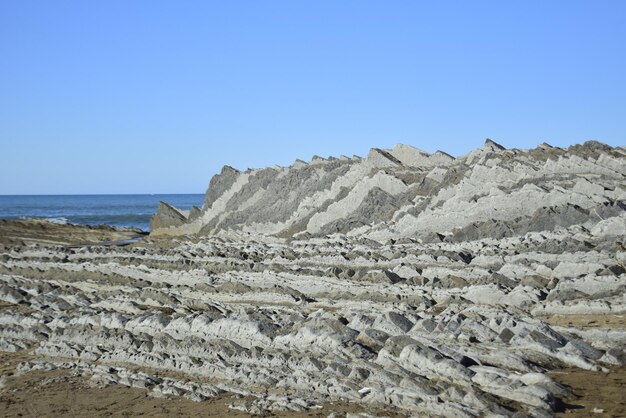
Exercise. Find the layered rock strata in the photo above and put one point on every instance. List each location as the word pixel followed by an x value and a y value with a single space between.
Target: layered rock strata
pixel 491 192
pixel 416 282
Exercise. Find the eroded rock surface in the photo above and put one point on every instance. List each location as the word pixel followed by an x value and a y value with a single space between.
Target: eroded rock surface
pixel 491 192
pixel 404 280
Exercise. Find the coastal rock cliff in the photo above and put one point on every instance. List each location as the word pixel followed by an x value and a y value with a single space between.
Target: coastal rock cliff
pixel 406 193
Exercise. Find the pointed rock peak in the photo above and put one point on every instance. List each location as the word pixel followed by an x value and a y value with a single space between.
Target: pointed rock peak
pixel 409 148
pixel 229 170
pixel 166 216
pixel 545 145
pixel 478 153
pixel 167 207
pixel 492 145
pixel 597 145
pixel 317 160
pixel 411 156
pixel 380 158
pixel 219 184
pixel 299 164
pixel 590 149
pixel 194 213
pixel 439 153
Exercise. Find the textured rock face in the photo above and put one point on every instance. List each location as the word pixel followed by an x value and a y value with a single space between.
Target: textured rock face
pixel 446 329
pixel 405 280
pixel 406 193
pixel 168 216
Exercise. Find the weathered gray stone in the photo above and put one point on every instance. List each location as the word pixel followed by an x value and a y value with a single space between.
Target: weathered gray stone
pixel 405 279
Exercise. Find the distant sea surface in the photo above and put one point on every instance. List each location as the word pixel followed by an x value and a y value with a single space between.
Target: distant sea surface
pixel 114 210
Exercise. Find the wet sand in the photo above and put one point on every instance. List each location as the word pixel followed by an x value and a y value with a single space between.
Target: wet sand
pixel 595 394
pixel 586 321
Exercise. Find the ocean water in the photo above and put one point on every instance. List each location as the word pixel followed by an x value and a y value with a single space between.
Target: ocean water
pixel 114 210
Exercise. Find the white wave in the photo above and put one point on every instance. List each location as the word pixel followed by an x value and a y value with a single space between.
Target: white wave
pixel 59 220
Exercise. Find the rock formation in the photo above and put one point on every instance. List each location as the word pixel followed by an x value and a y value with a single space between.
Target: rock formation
pixel 403 192
pixel 403 280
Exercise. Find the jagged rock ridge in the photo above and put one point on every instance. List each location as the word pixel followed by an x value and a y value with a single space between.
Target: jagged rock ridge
pixel 430 285
pixel 406 193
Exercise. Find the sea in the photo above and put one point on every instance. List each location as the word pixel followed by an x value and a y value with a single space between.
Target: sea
pixel 132 210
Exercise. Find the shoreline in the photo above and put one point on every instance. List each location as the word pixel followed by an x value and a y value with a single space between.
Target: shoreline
pixel 42 232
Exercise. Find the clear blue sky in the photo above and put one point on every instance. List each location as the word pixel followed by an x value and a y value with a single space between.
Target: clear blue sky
pixel 155 96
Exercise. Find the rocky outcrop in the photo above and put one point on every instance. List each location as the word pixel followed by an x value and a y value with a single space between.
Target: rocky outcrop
pixel 404 280
pixel 448 328
pixel 407 193
pixel 219 184
pixel 168 216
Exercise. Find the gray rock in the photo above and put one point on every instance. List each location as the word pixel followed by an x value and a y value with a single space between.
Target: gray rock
pixel 167 216
pixel 405 279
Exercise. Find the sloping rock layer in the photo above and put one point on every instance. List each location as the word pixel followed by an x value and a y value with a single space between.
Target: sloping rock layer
pixel 490 192
pixel 404 280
